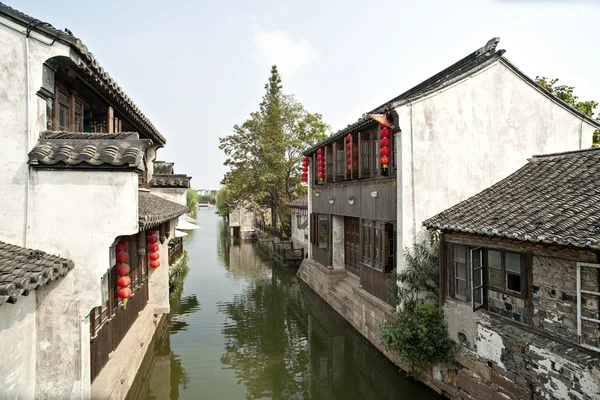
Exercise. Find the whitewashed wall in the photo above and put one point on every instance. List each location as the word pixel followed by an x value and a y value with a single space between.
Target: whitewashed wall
pixel 298 235
pixel 77 215
pixel 176 195
pixel 14 117
pixel 462 140
pixel 158 279
pixel 17 346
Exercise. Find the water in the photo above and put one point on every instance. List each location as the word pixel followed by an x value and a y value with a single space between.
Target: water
pixel 245 329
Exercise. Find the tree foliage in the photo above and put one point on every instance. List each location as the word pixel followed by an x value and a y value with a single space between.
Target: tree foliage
pixel 223 202
pixel 192 200
pixel 418 333
pixel 264 152
pixel 567 94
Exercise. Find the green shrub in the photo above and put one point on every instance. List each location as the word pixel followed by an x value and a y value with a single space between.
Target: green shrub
pixel 419 337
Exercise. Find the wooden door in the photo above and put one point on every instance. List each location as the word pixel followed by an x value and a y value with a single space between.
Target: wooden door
pixel 352 244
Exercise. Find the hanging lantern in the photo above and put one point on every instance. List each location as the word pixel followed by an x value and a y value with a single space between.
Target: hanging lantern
pixel 154 256
pixel 123 282
pixel 304 177
pixel 320 151
pixel 152 240
pixel 155 264
pixel 321 164
pixel 349 167
pixel 153 248
pixel 124 294
pixel 385 132
pixel 349 146
pixel 349 153
pixel 122 269
pixel 384 161
pixel 348 138
pixel 122 257
pixel 121 246
pixel 321 170
pixel 349 160
pixel 305 170
pixel 385 142
pixel 384 151
pixel 321 175
pixel 150 233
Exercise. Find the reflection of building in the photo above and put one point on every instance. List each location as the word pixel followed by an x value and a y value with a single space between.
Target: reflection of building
pixel 451 136
pixel 82 195
pixel 245 262
pixel 299 211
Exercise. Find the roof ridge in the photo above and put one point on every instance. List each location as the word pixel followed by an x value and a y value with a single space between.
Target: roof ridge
pixel 562 154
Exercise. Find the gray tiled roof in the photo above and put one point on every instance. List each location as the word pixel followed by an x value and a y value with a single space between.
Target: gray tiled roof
pixel 553 199
pixel 89 65
pixel 300 202
pixel 23 270
pixel 154 210
pixel 163 168
pixel 85 150
pixel 170 180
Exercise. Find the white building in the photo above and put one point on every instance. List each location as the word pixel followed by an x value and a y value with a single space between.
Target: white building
pixel 299 211
pixel 76 161
pixel 241 221
pixel 453 135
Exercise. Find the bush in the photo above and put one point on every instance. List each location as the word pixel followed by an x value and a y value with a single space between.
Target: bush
pixel 419 337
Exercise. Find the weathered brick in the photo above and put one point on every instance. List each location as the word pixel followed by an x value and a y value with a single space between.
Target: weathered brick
pixel 511 388
pixel 479 368
pixel 471 383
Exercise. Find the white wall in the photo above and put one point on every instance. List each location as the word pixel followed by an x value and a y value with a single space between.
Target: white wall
pixel 460 141
pixel 298 234
pixel 77 215
pixel 17 346
pixel 14 116
pixel 158 279
pixel 176 195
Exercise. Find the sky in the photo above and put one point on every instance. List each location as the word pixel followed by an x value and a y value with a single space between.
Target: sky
pixel 196 68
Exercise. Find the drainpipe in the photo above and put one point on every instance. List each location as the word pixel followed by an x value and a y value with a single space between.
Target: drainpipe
pixel 412 171
pixel 28 133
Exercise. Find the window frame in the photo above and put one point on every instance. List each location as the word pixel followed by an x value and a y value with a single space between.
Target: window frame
pixel 522 273
pixel 374 244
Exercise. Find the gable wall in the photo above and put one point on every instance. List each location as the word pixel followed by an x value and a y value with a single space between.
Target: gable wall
pixel 460 141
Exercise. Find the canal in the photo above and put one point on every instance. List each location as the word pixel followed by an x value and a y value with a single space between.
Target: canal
pixel 245 329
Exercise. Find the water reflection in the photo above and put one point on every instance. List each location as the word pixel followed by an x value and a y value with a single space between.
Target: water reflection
pixel 244 329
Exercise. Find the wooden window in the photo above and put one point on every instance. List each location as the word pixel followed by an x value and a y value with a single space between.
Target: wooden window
pixel 460 272
pixel 365 145
pixel 62 117
pixel 323 231
pixel 340 158
pixel 328 164
pixel 477 291
pixel 375 154
pixel 78 117
pixel 375 244
pixel 505 271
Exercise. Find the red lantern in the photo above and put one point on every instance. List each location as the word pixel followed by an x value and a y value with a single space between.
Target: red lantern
pixel 349 160
pixel 349 167
pixel 348 138
pixel 154 256
pixel 349 146
pixel 349 153
pixel 122 257
pixel 124 293
pixel 321 170
pixel 150 233
pixel 385 142
pixel 155 264
pixel 321 175
pixel 152 239
pixel 321 164
pixel 304 177
pixel 304 170
pixel 123 281
pixel 305 159
pixel 121 246
pixel 385 132
pixel 384 151
pixel 153 248
pixel 384 161
pixel 122 269
pixel 305 164
pixel 320 151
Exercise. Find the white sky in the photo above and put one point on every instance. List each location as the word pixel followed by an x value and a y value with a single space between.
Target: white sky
pixel 196 68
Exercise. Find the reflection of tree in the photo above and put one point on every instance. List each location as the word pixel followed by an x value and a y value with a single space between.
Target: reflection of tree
pixel 266 338
pixel 223 243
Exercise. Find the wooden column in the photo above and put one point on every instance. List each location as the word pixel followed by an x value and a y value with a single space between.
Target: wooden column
pixel 334 167
pixel 110 116
pixel 359 155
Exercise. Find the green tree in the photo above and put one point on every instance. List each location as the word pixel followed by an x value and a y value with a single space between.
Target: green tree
pixel 567 94
pixel 192 200
pixel 264 152
pixel 223 202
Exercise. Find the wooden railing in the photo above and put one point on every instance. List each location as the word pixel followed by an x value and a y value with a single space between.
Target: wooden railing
pixel 175 251
pixel 274 232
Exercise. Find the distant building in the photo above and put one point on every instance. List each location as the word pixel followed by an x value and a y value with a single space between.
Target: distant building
pixel 299 211
pixel 241 221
